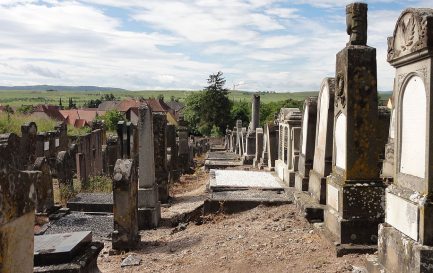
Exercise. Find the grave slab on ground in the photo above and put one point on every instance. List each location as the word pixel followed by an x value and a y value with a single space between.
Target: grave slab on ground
pixel 92 202
pixel 222 160
pixel 234 191
pixel 100 225
pixel 66 252
pixel 239 180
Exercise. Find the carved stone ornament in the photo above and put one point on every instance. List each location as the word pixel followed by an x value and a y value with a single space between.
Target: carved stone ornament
pixel 356 22
pixel 413 32
pixel 340 97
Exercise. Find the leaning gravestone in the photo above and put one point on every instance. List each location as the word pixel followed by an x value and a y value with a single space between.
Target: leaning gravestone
pixel 308 138
pixel 406 239
pixel 322 164
pixel 17 200
pixel 355 192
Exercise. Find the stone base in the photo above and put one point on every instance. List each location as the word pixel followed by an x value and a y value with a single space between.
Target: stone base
pixel 399 253
pixel 256 162
pixel 317 187
pixel 308 207
pixel 354 231
pixel 147 197
pixel 291 175
pixel 84 262
pixel 345 249
pixel 148 218
pixel 301 182
pixel 248 159
pixel 163 193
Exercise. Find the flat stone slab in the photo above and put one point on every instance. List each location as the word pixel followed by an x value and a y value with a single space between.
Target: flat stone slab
pixel 92 202
pixel 183 210
pixel 222 156
pixel 59 248
pixel 100 225
pixel 238 201
pixel 238 179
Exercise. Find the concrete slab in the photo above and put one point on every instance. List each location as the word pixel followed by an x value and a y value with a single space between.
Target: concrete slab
pixel 238 179
pixel 92 202
pixel 59 248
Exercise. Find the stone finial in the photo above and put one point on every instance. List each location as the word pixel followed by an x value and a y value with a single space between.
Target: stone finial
pixel 356 22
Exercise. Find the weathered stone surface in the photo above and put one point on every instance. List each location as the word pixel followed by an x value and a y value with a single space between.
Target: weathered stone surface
pixel 125 205
pixel 64 166
pixel 17 200
pixel 160 148
pixel 44 186
pixel 354 217
pixel 148 216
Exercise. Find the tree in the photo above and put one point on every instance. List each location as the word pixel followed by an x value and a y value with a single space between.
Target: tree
pixel 240 110
pixel 111 118
pixel 209 108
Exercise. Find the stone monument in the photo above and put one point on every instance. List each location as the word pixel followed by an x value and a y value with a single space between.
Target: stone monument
pixel 308 139
pixel 322 164
pixel 406 237
pixel 149 208
pixel 250 139
pixel 355 192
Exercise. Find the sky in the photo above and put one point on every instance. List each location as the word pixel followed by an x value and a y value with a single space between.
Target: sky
pixel 259 45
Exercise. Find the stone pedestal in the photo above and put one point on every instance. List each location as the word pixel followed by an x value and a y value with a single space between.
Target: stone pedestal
pixel 406 238
pixel 355 192
pixel 149 208
pixel 250 145
pixel 125 190
pixel 308 140
pixel 322 164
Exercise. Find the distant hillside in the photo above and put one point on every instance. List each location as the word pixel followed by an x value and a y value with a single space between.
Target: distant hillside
pixel 61 88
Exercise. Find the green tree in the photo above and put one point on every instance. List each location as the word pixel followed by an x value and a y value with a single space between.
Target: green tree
pixel 193 110
pixel 240 110
pixel 111 118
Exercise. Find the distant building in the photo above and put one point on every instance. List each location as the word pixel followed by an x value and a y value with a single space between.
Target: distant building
pixel 47 111
pixel 81 117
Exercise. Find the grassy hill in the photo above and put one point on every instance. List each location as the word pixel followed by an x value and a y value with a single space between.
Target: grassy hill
pixel 26 97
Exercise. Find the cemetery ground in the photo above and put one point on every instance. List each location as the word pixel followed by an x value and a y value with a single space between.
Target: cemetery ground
pixel 264 239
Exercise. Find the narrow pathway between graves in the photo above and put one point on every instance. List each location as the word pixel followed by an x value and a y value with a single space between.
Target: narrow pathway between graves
pixel 264 239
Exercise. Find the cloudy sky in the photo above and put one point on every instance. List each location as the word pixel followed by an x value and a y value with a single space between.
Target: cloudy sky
pixel 275 45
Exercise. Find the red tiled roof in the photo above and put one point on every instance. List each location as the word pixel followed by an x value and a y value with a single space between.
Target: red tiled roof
pixel 52 111
pixel 158 105
pixel 87 115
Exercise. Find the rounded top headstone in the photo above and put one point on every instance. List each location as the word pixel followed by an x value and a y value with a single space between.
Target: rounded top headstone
pixel 413 36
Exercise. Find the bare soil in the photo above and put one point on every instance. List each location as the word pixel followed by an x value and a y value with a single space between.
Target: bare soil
pixel 265 239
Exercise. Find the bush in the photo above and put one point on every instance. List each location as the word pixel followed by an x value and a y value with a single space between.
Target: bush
pixel 99 184
pixel 12 123
pixel 111 118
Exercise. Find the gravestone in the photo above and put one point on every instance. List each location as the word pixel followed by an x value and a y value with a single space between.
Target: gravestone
pixel 160 146
pixel 17 200
pixel 239 146
pixel 406 237
pixel 182 132
pixel 288 144
pixel 43 186
pixel 28 143
pixel 82 170
pixel 322 164
pixel 388 161
pixel 259 146
pixel 72 252
pixel 355 192
pixel 250 137
pixel 9 145
pixel 149 208
pixel 64 169
pixel 122 136
pixel 125 189
pixel 172 153
pixel 308 139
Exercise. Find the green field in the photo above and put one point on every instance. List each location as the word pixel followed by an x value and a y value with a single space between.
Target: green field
pixel 25 97
pixel 16 98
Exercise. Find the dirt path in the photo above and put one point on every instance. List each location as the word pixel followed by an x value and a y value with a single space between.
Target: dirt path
pixel 265 239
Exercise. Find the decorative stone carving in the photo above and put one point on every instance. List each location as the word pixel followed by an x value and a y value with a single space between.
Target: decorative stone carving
pixel 339 91
pixel 411 34
pixel 356 21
